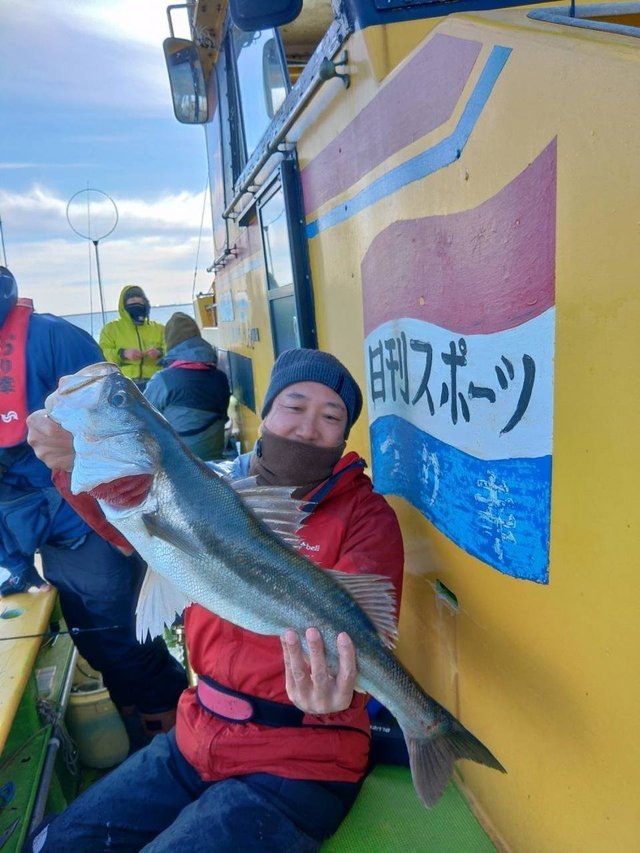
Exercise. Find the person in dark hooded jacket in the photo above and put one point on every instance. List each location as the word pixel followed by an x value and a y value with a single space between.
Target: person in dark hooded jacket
pixel 191 392
pixel 97 584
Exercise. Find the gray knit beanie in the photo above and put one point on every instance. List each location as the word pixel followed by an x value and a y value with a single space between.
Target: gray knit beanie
pixel 312 365
pixel 180 327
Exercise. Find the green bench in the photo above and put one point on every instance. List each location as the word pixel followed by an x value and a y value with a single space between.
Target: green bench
pixel 388 817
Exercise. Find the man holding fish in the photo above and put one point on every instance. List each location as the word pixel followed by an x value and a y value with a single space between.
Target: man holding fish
pixel 269 751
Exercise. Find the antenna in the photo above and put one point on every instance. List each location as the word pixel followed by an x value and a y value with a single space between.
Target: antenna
pixel 93 225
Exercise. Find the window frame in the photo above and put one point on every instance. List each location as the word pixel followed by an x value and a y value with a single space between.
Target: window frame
pixel 240 154
pixel 286 178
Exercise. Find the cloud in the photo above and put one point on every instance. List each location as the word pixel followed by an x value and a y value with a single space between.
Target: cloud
pixel 143 22
pixel 61 277
pixel 85 84
pixel 10 166
pixel 155 244
pixel 42 209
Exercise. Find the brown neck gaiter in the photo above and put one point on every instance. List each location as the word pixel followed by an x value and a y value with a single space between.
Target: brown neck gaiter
pixel 279 461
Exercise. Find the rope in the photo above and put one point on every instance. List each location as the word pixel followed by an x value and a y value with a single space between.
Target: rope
pixel 4 253
pixel 195 271
pixel 53 716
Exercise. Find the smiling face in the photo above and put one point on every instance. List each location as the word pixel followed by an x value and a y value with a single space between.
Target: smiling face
pixel 308 412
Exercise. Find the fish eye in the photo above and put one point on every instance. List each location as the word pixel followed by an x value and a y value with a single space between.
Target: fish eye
pixel 118 399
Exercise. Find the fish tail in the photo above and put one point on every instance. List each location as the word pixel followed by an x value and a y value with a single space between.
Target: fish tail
pixel 432 759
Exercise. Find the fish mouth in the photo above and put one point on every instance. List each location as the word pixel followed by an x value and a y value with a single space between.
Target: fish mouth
pixel 82 379
pixel 124 492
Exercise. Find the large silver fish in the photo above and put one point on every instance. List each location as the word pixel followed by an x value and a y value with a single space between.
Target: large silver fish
pixel 209 543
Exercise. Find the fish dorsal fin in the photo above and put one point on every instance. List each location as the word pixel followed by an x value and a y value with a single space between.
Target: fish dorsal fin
pixel 248 487
pixel 274 506
pixel 377 597
pixel 158 605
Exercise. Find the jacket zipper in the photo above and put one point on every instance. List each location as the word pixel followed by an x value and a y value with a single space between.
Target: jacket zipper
pixel 141 350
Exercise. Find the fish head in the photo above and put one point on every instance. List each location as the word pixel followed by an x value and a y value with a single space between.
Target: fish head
pixel 115 431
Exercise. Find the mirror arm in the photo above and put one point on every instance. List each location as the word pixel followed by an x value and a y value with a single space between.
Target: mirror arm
pixel 191 5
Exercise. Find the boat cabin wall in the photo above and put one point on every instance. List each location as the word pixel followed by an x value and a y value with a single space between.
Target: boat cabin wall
pixel 470 233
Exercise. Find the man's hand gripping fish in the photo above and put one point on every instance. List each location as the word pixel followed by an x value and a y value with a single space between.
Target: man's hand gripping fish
pixel 232 550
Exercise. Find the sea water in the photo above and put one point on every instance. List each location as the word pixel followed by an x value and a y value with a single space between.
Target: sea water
pixel 92 323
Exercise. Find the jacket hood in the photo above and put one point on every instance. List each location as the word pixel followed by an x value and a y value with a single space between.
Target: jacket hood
pixel 193 349
pixel 123 295
pixel 8 293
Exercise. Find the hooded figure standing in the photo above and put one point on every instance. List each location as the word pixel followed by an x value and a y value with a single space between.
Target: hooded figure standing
pixel 133 342
pixel 191 392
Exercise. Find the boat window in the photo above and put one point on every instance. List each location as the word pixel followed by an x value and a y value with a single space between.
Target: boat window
pixel 277 256
pixel 231 120
pixel 254 74
pixel 288 280
pixel 213 131
pixel 262 83
pixel 273 221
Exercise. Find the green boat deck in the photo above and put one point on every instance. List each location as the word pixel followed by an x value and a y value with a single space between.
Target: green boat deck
pixel 388 817
pixel 38 773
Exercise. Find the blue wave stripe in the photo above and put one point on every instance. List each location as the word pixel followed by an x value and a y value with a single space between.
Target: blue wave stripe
pixel 442 154
pixel 497 510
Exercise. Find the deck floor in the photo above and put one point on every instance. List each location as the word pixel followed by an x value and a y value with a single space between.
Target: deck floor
pixel 388 817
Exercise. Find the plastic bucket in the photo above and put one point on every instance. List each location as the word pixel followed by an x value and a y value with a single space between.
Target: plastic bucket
pixel 95 726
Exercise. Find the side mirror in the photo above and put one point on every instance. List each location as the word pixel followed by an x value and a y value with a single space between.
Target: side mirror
pixel 249 15
pixel 272 79
pixel 186 78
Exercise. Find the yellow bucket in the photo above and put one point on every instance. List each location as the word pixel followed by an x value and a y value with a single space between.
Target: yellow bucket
pixel 95 725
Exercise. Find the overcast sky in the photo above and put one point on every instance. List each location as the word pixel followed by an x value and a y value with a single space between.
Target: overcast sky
pixel 85 103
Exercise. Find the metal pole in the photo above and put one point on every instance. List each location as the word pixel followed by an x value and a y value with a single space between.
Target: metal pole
pixel 4 254
pixel 104 319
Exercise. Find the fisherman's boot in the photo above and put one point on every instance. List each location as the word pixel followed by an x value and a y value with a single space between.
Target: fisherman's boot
pixel 159 723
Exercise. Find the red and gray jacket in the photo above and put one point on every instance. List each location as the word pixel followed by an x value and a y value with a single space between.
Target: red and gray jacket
pixel 352 529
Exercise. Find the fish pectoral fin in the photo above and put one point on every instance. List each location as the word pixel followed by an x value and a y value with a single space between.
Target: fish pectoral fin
pixel 158 605
pixel 181 541
pixel 377 597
